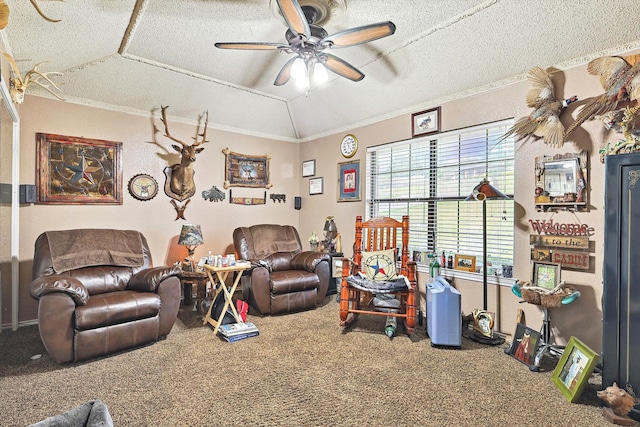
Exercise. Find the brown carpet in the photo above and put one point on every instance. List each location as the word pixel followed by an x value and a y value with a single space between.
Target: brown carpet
pixel 303 370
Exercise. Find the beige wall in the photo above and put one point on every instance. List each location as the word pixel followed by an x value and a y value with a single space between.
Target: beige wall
pixel 155 218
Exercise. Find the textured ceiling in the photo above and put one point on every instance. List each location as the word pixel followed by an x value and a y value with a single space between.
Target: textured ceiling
pixel 133 56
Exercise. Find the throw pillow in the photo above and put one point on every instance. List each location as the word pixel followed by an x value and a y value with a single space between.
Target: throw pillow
pixel 379 265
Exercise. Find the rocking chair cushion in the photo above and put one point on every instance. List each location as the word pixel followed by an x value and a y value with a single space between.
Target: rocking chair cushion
pixel 400 283
pixel 380 265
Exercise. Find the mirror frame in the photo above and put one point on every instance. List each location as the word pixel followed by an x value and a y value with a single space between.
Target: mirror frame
pixel 576 200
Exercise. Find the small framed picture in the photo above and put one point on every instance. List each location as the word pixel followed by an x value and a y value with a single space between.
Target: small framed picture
pixel 545 275
pixel 308 168
pixel 349 181
pixel 525 345
pixel 574 369
pixel 465 263
pixel 315 185
pixel 425 122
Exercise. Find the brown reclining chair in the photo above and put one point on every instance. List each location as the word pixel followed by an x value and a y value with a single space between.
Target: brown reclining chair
pixel 283 278
pixel 98 293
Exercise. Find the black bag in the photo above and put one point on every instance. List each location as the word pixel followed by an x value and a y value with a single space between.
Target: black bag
pixel 218 303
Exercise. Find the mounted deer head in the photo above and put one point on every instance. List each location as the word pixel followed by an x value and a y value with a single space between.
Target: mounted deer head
pixel 179 184
pixel 19 85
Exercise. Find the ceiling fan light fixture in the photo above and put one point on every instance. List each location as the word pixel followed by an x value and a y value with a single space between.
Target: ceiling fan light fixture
pixel 303 82
pixel 320 74
pixel 298 69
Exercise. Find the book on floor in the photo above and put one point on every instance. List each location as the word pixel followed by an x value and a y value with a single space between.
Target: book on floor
pixel 239 337
pixel 232 329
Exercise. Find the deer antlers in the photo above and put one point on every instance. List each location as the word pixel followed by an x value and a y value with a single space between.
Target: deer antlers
pixel 41 13
pixel 19 85
pixel 203 135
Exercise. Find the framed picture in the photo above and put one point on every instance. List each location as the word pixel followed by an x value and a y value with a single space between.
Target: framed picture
pixel 308 168
pixel 483 322
pixel 525 345
pixel 425 122
pixel 465 263
pixel 546 275
pixel 242 170
pixel 315 185
pixel 574 369
pixel 74 171
pixel 349 181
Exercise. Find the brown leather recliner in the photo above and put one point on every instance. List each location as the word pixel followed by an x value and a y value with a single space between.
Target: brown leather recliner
pixel 282 278
pixel 98 293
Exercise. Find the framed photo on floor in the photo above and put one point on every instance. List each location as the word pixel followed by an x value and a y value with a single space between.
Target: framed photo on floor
pixel 349 181
pixel 525 345
pixel 574 369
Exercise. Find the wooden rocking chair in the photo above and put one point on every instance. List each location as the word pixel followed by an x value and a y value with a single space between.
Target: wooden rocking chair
pixel 369 280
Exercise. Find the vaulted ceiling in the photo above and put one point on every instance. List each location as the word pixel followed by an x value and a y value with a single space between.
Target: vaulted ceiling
pixel 134 55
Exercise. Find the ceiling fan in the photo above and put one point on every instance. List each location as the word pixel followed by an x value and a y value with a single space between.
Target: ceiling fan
pixel 307 42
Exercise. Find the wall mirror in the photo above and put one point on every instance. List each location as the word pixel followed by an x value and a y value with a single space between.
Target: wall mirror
pixel 561 182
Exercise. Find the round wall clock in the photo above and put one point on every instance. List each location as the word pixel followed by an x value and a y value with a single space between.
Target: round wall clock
pixel 349 145
pixel 143 187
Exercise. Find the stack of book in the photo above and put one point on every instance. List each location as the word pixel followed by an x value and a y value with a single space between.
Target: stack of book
pixel 233 332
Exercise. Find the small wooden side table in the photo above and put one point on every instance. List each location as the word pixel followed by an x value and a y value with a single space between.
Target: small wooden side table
pixel 221 274
pixel 190 278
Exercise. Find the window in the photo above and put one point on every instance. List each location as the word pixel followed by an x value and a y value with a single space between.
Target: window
pixel 428 179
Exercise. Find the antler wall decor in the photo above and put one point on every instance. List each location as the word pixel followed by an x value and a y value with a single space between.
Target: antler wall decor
pixel 41 13
pixel 19 85
pixel 179 184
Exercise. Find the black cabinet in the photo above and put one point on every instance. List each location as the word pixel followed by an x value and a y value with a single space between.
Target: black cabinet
pixel 621 274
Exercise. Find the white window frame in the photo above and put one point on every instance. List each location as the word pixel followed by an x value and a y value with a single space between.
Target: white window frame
pixel 425 177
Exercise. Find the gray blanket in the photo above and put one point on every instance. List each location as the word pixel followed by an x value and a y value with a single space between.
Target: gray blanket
pixel 93 413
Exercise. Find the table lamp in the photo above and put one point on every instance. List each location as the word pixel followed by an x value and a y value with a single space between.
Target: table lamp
pixel 483 192
pixel 191 237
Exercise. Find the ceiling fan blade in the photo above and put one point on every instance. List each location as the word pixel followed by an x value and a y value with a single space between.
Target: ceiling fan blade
pixel 293 15
pixel 359 35
pixel 285 73
pixel 341 67
pixel 251 46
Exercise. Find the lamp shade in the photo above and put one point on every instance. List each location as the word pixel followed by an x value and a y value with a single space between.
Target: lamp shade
pixel 485 191
pixel 191 235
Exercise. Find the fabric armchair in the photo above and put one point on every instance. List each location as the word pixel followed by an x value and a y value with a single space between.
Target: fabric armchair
pixel 283 277
pixel 98 293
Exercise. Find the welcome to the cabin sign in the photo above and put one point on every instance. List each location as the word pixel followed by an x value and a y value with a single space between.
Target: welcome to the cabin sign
pixel 566 244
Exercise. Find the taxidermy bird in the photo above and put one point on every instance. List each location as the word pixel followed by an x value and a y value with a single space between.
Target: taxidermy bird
pixel 627 122
pixel 544 120
pixel 619 79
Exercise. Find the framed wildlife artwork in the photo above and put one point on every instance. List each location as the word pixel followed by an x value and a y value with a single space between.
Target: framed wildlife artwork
pixel 242 170
pixel 425 122
pixel 74 170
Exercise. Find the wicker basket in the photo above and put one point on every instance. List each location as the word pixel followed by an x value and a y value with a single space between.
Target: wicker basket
pixel 546 300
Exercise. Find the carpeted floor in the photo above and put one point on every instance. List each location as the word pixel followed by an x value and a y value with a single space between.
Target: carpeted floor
pixel 303 370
